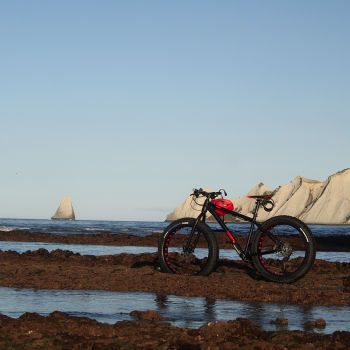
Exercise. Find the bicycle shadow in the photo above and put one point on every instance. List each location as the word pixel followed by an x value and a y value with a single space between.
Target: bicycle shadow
pixel 149 261
pixel 233 266
pixel 224 266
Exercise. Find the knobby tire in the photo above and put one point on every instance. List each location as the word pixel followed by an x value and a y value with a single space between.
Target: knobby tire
pixel 283 250
pixel 178 255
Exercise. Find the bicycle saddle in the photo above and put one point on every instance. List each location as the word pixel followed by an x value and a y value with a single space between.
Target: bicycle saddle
pixel 266 196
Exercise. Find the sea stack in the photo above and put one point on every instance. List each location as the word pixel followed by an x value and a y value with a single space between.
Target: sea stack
pixel 65 211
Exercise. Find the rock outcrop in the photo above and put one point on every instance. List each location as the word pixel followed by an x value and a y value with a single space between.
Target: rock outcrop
pixel 312 201
pixel 65 211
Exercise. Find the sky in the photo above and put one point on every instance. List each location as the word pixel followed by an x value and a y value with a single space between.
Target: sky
pixel 125 106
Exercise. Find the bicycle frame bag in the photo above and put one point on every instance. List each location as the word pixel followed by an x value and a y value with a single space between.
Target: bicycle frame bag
pixel 222 203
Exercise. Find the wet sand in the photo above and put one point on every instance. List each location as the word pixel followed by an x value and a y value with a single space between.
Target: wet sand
pixel 327 283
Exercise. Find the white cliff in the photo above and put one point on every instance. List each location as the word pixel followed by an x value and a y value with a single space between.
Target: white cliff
pixel 245 205
pixel 332 204
pixel 189 208
pixel 312 201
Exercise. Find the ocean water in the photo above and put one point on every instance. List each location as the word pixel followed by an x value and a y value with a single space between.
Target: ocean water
pixel 64 227
pixel 138 228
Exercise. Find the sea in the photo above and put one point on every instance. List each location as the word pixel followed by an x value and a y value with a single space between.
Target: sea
pixel 137 228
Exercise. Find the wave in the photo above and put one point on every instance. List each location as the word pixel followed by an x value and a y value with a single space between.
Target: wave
pixel 13 228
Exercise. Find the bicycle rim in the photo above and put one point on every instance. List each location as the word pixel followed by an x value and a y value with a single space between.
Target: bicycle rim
pixel 284 251
pixel 185 253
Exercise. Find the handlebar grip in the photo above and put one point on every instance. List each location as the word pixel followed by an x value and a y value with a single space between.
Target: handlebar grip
pixel 197 192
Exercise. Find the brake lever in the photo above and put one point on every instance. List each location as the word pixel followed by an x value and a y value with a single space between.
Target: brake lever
pixel 268 204
pixel 223 191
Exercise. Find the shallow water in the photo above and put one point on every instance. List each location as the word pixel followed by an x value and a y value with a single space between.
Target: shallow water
pixel 189 312
pixel 89 249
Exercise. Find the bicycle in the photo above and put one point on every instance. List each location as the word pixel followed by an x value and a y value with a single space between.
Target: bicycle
pixel 281 249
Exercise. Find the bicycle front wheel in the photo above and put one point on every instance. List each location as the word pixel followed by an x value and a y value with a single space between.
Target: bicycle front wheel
pixel 283 250
pixel 182 251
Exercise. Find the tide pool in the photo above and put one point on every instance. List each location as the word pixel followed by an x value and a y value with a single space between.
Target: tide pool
pixel 189 312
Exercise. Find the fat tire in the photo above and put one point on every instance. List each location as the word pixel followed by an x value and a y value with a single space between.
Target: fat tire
pixel 306 263
pixel 204 229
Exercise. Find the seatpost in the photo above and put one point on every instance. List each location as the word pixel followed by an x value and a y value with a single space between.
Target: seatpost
pixel 255 215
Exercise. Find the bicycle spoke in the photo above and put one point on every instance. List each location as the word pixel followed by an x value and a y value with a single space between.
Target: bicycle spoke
pixel 267 252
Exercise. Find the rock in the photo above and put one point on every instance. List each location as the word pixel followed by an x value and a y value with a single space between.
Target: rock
pixel 332 205
pixel 62 331
pixel 312 201
pixel 346 284
pixel 280 321
pixel 320 323
pixel 148 315
pixel 65 211
pixel 189 208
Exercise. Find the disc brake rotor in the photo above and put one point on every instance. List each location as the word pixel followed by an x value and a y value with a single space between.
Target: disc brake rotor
pixel 283 249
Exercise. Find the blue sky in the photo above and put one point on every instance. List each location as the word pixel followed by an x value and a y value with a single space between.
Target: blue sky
pixel 125 106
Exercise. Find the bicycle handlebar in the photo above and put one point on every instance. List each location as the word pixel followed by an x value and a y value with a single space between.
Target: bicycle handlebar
pixel 211 195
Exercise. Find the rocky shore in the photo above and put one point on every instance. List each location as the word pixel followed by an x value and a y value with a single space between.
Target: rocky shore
pixel 236 280
pixel 327 283
pixel 61 331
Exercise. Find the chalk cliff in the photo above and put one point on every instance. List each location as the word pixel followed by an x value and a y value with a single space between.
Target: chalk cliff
pixel 312 201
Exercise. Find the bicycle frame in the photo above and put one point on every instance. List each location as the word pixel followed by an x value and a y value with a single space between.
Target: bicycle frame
pixel 243 253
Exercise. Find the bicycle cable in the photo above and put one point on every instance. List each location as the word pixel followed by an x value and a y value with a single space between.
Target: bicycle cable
pixel 194 200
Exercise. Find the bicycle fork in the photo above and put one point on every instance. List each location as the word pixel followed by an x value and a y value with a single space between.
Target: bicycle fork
pixel 189 247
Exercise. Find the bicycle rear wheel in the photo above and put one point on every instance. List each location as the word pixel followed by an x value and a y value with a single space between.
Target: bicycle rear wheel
pixel 283 250
pixel 181 252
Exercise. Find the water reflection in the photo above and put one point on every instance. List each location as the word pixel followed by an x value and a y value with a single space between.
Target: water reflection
pixel 190 312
